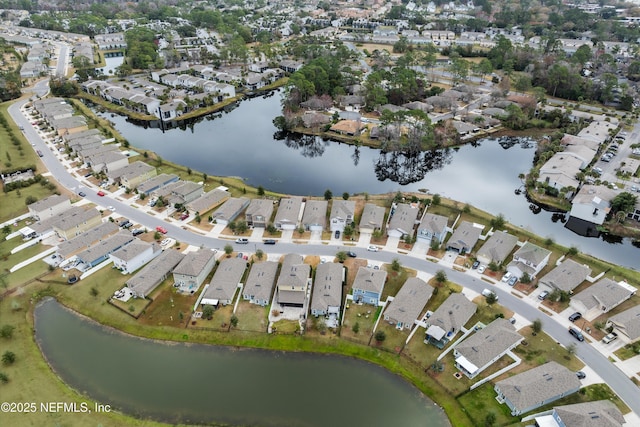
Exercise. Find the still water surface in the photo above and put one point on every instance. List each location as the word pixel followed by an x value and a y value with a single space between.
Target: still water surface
pixel 245 143
pixel 208 384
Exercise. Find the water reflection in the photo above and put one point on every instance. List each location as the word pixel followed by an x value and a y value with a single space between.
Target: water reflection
pixel 406 169
pixel 310 146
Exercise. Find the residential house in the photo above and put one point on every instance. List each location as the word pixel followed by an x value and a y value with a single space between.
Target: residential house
pixel 172 110
pixel 599 413
pixel 194 268
pixel 582 153
pixel 133 174
pixel 342 214
pixel 601 297
pixel 75 221
pixel 449 318
pixel 73 246
pixel 293 282
pixel 69 125
pixel 464 237
pixel 536 387
pixel 153 184
pixel 565 277
pixel 209 200
pixel 367 286
pixel 592 203
pixel 32 69
pixel 259 285
pixel 259 212
pixel 407 305
pixel 224 283
pixel 134 255
pixel 402 219
pixel 290 66
pixel 348 127
pixel 497 248
pixel 315 215
pixel 327 292
pixel 107 162
pixel 100 252
pixel 154 273
pixel 627 324
pixel 530 259
pixel 288 213
pixel 560 172
pixel 485 347
pixel 110 41
pixel 49 207
pixel 432 227
pixel 372 218
pixel 230 210
pixel 184 192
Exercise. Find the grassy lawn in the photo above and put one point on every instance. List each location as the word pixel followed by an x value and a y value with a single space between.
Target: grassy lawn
pixel 285 326
pixel 134 307
pixel 12 204
pixel 395 280
pixel 628 351
pixel 365 316
pixel 27 272
pixel 252 317
pixel 394 339
pixel 480 402
pixel 540 349
pixel 169 307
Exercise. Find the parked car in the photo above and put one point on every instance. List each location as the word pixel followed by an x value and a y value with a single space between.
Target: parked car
pixel 137 232
pixel 101 193
pixel 513 281
pixel 372 248
pixel 337 234
pixel 481 269
pixel 581 375
pixel 161 229
pixel 609 337
pixel 543 295
pixel 184 216
pixel 39 153
pixel 352 254
pixel 240 255
pixel 269 242
pixel 72 279
pixel 487 292
pixel 111 208
pixel 576 333
pixel 242 241
pixel 575 316
pixel 82 194
pixel 125 224
pixel 475 265
pixel 506 276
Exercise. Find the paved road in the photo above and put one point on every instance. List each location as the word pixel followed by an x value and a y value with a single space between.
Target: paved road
pixel 613 376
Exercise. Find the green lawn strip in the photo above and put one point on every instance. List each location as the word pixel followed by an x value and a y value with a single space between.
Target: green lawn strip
pixel 252 317
pixel 29 156
pixel 628 351
pixel 26 273
pixel 479 403
pixel 395 280
pixel 540 349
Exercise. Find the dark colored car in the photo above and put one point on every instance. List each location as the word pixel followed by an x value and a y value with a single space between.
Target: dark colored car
pixel 475 265
pixel 337 234
pixel 269 242
pixel 72 279
pixel 575 316
pixel 513 281
pixel 576 333
pixel 581 375
pixel 82 194
pixel 137 231
pixel 352 254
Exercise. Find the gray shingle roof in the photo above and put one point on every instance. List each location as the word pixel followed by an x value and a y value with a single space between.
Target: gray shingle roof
pixel 601 413
pixel 86 239
pixel 231 208
pixel 453 313
pixel 368 279
pixel 49 202
pixel 208 200
pixel 409 302
pixel 498 246
pixel 74 217
pixel 261 280
pixel 288 210
pixel 604 293
pixel 403 218
pixel 132 250
pixel 465 236
pixel 152 274
pixel 260 210
pixel 194 262
pixel 315 212
pixel 629 320
pixel 567 276
pixel 342 209
pixel 107 246
pixel 532 253
pixel 489 342
pixel 433 223
pixel 226 279
pixel 327 287
pixel 372 216
pixel 539 384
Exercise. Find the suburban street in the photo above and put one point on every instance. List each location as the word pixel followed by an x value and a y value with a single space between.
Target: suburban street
pixel 555 326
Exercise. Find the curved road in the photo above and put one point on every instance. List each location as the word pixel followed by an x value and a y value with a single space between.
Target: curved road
pixel 614 377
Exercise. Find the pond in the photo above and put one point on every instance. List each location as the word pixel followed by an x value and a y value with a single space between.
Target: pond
pixel 243 142
pixel 204 384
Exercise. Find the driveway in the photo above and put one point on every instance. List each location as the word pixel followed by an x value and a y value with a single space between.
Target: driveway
pixel 392 244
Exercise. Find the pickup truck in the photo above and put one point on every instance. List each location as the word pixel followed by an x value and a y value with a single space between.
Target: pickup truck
pixel 609 337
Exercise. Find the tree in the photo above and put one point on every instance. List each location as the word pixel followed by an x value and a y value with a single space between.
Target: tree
pixel 157 235
pixel 260 254
pixel 234 320
pixel 493 266
pixel 345 195
pixel 498 222
pixel 573 251
pixel 436 200
pixel 395 265
pixel 572 349
pixel 348 230
pixel 490 419
pixel 207 312
pixel 7 331
pixel 548 241
pixel 491 298
pixel 94 291
pixel 624 202
pixel 536 326
pixel 328 195
pixel 8 357
pixel 260 190
pixel 341 256
pixel 4 378
pixel 525 278
pixel 241 227
pixel 228 249
pixel 356 328
pixel 441 277
pixel 380 336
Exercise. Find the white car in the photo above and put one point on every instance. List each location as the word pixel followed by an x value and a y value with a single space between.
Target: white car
pixel 481 269
pixel 111 208
pixel 506 277
pixel 372 248
pixel 486 293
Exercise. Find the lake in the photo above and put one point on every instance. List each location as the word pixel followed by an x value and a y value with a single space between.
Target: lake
pixel 180 383
pixel 244 143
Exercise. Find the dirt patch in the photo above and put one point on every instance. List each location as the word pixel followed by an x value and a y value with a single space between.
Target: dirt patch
pixel 312 260
pixel 353 265
pixel 169 308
